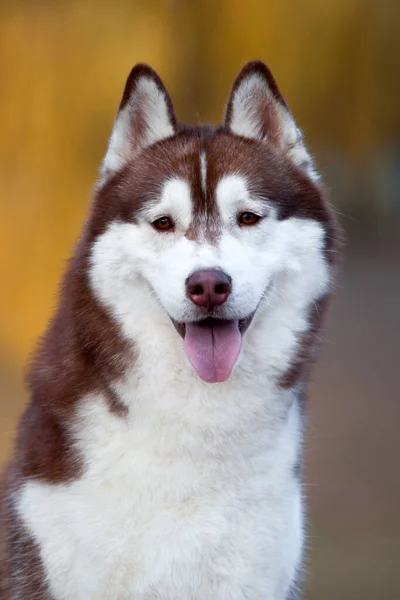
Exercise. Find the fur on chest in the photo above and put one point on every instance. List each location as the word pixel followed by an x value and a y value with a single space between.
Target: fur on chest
pixel 166 516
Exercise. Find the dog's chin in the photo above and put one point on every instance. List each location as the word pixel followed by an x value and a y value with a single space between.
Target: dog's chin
pixel 213 345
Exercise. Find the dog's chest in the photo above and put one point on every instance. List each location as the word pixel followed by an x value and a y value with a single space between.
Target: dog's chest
pixel 167 519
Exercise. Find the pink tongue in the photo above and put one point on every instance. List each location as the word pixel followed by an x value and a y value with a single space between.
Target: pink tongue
pixel 213 348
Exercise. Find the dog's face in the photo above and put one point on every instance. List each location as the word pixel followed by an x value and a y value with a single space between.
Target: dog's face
pixel 204 223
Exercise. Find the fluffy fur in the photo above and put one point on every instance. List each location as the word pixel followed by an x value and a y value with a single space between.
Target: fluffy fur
pixel 132 478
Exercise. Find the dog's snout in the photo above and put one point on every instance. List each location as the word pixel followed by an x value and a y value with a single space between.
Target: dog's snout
pixel 208 288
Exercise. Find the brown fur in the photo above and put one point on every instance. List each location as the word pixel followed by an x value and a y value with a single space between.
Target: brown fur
pixel 19 555
pixel 298 370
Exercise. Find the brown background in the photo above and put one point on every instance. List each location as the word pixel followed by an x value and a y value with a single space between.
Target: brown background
pixel 62 68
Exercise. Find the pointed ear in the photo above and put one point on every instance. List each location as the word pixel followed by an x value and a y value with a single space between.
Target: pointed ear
pixel 257 110
pixel 145 116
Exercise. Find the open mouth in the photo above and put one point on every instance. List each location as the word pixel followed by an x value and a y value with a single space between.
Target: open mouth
pixel 213 345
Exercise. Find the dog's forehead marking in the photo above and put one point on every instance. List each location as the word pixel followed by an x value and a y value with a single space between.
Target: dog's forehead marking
pixel 231 190
pixel 205 218
pixel 176 198
pixel 203 171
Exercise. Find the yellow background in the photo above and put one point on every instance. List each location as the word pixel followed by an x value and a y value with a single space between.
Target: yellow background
pixel 63 65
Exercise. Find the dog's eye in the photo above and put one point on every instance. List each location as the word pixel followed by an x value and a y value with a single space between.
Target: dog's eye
pixel 248 218
pixel 163 224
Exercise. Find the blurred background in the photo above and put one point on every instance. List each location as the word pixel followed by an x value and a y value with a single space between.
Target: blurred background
pixel 63 65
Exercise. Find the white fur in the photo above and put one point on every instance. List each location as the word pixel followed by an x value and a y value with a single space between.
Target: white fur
pixel 175 201
pixel 193 495
pixel 203 171
pixel 247 121
pixel 152 103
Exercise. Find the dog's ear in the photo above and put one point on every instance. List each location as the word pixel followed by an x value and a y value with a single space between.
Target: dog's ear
pixel 145 116
pixel 256 110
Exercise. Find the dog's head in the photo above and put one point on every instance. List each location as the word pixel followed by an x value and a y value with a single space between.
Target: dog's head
pixel 204 223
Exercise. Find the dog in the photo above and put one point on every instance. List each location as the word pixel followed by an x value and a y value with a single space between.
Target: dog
pixel 159 457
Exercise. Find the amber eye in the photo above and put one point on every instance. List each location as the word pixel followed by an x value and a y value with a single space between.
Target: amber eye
pixel 248 218
pixel 163 224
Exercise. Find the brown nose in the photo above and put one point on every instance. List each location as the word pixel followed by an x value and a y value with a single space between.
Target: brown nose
pixel 209 288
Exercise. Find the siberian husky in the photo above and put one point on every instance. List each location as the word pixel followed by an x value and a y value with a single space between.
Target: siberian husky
pixel 159 457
